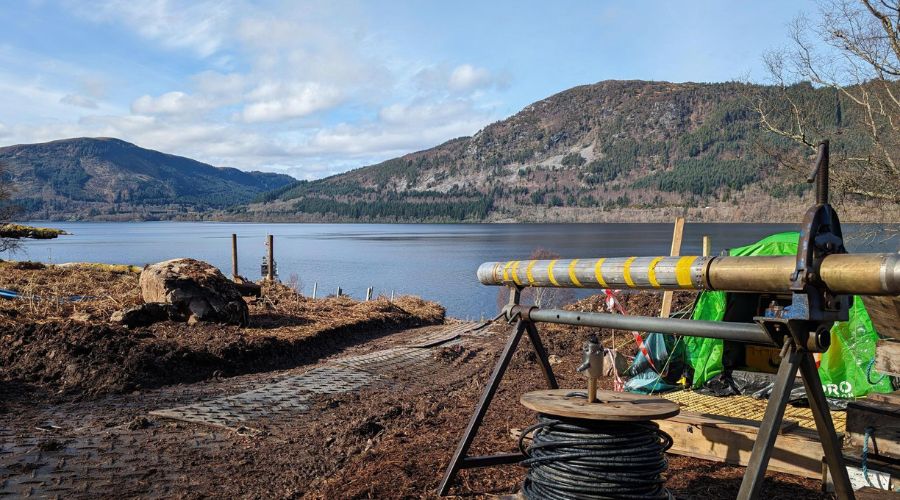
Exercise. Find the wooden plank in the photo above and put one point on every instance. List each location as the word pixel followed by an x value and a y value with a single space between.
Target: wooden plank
pixel 890 397
pixel 884 420
pixel 885 314
pixel 666 308
pixel 721 421
pixel 887 357
pixel 797 451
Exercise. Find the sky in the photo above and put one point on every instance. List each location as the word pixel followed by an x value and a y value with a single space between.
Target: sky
pixel 312 89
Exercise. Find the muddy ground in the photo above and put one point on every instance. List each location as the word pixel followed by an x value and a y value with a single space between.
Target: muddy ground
pixel 93 436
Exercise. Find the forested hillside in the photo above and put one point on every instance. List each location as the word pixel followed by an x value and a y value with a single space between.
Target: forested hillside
pixel 104 178
pixel 615 150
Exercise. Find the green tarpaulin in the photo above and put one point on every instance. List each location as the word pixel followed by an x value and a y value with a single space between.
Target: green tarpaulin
pixel 846 367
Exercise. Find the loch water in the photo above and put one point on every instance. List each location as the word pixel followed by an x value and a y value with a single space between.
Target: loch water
pixel 434 261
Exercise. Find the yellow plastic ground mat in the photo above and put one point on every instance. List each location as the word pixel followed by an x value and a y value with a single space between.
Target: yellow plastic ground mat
pixel 748 408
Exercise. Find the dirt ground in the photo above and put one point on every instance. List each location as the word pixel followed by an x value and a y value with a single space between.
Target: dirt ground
pixel 58 336
pixel 82 432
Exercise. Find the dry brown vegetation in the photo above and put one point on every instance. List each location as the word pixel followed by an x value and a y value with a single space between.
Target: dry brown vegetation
pixel 58 335
pixel 53 292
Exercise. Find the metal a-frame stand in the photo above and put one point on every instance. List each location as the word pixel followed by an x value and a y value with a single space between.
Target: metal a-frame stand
pixel 460 459
pixel 800 329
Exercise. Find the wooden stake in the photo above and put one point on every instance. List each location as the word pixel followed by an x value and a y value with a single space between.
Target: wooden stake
pixel 315 287
pixel 270 274
pixel 666 308
pixel 369 293
pixel 339 292
pixel 707 246
pixel 234 261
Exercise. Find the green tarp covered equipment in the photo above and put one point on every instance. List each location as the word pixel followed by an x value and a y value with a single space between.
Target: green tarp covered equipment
pixel 845 369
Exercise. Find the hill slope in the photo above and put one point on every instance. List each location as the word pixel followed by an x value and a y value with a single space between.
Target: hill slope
pixel 109 178
pixel 612 151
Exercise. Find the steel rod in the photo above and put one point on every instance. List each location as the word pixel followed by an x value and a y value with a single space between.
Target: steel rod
pixel 858 274
pixel 740 332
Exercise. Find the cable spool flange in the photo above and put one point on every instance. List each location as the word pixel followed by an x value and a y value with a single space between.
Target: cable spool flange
pixel 607 449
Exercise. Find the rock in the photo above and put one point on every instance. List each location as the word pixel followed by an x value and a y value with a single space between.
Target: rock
pixel 194 289
pixel 144 314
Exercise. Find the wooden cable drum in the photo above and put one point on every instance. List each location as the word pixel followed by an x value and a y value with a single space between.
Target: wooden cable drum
pixel 610 406
pixel 607 449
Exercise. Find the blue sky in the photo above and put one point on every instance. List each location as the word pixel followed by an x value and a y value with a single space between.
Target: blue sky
pixel 315 88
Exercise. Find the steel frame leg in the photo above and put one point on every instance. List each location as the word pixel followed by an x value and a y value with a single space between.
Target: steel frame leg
pixel 541 352
pixel 462 449
pixel 762 449
pixel 831 445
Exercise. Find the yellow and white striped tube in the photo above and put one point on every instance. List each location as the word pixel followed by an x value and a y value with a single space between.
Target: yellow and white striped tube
pixel 663 273
pixel 857 274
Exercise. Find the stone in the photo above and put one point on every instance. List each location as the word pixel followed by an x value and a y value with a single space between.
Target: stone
pixel 144 314
pixel 194 289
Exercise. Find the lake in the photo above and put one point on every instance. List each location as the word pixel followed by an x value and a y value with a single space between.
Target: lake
pixel 434 261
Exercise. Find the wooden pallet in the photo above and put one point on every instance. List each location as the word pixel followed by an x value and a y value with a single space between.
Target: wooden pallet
pixel 730 440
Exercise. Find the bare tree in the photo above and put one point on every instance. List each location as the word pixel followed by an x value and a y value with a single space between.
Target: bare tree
pixel 546 297
pixel 852 47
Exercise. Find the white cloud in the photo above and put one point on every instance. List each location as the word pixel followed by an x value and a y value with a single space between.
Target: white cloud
pixel 280 101
pixel 201 26
pixel 426 114
pixel 228 87
pixel 305 89
pixel 401 128
pixel 170 103
pixel 467 77
pixel 78 100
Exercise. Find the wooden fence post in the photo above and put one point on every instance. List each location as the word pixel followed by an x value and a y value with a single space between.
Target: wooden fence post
pixel 270 274
pixel 666 308
pixel 234 257
pixel 315 287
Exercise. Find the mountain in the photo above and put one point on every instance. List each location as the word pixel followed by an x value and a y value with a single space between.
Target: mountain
pixel 105 178
pixel 611 151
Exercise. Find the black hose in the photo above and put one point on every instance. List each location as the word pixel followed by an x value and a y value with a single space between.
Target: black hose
pixel 588 459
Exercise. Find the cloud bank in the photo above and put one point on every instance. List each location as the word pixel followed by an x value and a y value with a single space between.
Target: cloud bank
pixel 309 90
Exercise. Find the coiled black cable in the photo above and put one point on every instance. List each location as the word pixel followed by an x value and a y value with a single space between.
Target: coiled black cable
pixel 590 459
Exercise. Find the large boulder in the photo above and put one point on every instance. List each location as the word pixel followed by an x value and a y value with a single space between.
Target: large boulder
pixel 196 291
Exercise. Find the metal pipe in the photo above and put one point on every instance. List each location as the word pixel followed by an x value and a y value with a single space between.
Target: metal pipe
pixel 859 274
pixel 750 333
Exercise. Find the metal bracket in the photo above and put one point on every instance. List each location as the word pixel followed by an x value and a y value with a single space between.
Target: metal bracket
pixel 820 236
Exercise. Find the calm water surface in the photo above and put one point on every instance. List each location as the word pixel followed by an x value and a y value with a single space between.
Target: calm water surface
pixel 434 261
